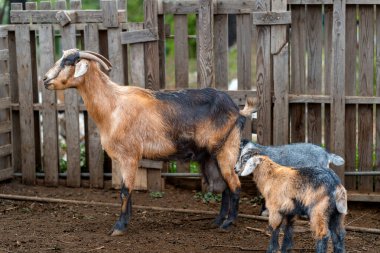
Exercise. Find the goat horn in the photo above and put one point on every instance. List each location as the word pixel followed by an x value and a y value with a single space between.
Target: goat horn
pixel 88 56
pixel 101 57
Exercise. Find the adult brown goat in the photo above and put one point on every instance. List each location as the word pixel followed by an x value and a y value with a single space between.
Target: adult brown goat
pixel 135 123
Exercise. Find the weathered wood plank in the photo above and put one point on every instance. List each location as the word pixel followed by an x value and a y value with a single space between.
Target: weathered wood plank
pixel 366 57
pixel 5 114
pixel 280 51
pixel 348 2
pixel 5 150
pixel 244 51
pixel 49 16
pixel 25 79
pixel 152 73
pixel 263 80
pixel 221 51
pixel 338 82
pixel 162 49
pixel 314 78
pixel 4 54
pixel 274 17
pixel 117 75
pixel 298 73
pixel 71 117
pixel 205 55
pixel 138 36
pixel 110 13
pixel 181 49
pixel 136 58
pixel 95 151
pixel 16 128
pixel 49 123
pixel 328 11
pixel 6 173
pixel 377 129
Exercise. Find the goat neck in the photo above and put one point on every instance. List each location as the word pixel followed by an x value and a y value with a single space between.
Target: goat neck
pixel 98 93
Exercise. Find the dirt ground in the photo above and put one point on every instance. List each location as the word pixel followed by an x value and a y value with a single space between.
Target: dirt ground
pixel 27 226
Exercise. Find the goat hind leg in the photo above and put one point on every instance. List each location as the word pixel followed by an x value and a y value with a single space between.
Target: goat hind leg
pixel 128 176
pixel 224 209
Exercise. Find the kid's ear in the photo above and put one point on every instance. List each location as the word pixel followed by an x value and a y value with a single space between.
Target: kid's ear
pixel 251 165
pixel 80 68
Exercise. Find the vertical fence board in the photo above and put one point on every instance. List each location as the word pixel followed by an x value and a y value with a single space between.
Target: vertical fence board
pixel 68 34
pixel 16 128
pixel 350 87
pixel 314 77
pixel 49 121
pixel 377 164
pixel 95 151
pixel 205 54
pixel 366 57
pixel 161 50
pixel 152 73
pixel 298 73
pixel 25 79
pixel 263 79
pixel 280 52
pixel 221 51
pixel 327 72
pixel 244 45
pixel 337 91
pixel 37 131
pixel 181 49
pixel 136 58
pixel 6 170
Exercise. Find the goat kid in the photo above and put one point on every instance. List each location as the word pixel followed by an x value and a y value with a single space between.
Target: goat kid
pixel 134 123
pixel 313 191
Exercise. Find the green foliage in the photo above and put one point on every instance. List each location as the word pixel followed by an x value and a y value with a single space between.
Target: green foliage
pixel 82 158
pixel 194 167
pixel 156 195
pixel 208 197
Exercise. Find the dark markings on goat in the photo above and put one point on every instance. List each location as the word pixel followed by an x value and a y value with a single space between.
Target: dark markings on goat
pixel 207 104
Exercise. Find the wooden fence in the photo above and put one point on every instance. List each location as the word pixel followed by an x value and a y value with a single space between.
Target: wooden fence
pixel 313 64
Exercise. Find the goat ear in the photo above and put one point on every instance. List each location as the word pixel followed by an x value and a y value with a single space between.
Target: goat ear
pixel 80 68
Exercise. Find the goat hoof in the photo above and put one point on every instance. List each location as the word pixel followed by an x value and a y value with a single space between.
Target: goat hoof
pixel 116 232
pixel 226 226
pixel 265 213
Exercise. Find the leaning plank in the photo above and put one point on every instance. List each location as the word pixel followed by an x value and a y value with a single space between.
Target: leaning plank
pixel 95 151
pixel 298 73
pixel 338 82
pixel 5 127
pixel 5 150
pixel 314 78
pixel 143 35
pixel 6 173
pixel 181 48
pixel 24 70
pixel 205 54
pixel 71 117
pixel 49 122
pixel 50 16
pixel 366 58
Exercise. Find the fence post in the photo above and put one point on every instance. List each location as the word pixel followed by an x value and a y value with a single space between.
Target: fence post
pixel 206 52
pixel 338 81
pixel 280 52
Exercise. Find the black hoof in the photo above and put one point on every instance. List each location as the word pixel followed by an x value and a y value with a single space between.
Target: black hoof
pixel 227 225
pixel 118 229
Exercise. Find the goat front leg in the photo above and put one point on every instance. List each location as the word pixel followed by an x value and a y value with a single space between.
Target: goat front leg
pixel 128 173
pixel 224 209
pixel 275 220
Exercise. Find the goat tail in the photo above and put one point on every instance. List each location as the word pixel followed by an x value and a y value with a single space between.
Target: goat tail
pixel 336 160
pixel 250 107
pixel 341 199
